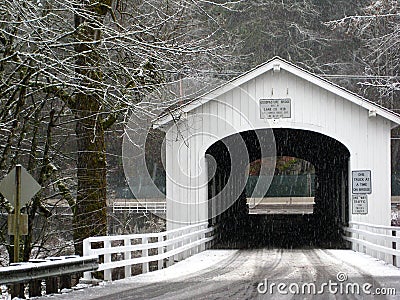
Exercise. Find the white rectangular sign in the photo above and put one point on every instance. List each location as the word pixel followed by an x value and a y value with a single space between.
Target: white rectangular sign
pixel 275 108
pixel 359 204
pixel 362 182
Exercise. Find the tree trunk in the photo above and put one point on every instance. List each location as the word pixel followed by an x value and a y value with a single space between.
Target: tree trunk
pixel 90 218
pixel 90 215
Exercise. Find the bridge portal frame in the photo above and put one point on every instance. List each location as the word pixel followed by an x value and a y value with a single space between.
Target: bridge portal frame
pixel 317 105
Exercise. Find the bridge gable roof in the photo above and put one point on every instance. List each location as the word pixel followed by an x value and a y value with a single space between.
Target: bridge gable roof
pixel 276 64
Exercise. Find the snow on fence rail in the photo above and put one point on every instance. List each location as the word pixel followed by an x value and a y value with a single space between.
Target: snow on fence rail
pixel 135 249
pixel 134 206
pixel 379 241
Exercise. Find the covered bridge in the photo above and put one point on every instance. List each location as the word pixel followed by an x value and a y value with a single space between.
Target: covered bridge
pixel 273 110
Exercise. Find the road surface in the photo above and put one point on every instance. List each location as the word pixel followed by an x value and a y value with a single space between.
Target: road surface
pixel 258 274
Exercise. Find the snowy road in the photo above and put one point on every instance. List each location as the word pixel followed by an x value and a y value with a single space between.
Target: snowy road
pixel 258 274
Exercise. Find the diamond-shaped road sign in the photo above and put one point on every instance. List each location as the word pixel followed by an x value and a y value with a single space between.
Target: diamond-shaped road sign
pixel 29 187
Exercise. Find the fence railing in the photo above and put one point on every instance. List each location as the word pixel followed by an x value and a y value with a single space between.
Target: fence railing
pixel 57 273
pixel 379 241
pixel 133 206
pixel 158 249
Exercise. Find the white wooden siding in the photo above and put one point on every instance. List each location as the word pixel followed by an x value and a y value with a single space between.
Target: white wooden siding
pixel 313 108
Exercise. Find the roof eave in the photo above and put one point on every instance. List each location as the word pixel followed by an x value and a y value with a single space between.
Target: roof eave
pixel 291 68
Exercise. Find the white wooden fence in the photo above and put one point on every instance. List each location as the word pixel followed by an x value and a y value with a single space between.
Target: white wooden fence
pixel 134 206
pixel 163 248
pixel 379 241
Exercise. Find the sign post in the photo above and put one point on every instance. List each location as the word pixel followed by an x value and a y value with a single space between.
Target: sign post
pixel 11 188
pixel 16 211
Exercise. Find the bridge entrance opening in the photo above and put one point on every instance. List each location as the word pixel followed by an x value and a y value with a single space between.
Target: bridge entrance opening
pixel 325 161
pixel 291 190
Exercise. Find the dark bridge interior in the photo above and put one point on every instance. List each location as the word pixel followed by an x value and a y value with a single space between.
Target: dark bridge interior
pixel 238 229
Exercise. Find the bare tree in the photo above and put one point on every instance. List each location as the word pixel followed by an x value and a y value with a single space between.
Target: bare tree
pixel 70 69
pixel 290 29
pixel 377 28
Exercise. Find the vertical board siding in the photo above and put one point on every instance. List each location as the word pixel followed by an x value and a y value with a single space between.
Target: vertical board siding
pixel 313 108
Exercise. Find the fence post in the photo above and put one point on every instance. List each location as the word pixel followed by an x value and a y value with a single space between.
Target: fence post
pixel 145 252
pixel 192 250
pixel 210 244
pixel 17 290
pixel 184 242
pixel 160 251
pixel 192 238
pixel 196 238
pixel 365 249
pixel 176 245
pixel 87 251
pixel 387 243
pixel 127 255
pixel 169 248
pixel 394 243
pixel 356 246
pixel 372 240
pixel 107 259
pixel 35 288
pixel 202 246
pixel 52 285
pixel 179 256
pixel 375 241
pixel 65 281
pixel 397 247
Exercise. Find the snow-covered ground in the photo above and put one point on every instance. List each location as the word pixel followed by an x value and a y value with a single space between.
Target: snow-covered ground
pixel 235 274
pixel 365 263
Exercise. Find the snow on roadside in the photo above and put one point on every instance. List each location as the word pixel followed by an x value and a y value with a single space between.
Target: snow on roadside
pixel 186 267
pixel 198 262
pixel 365 263
pixel 210 258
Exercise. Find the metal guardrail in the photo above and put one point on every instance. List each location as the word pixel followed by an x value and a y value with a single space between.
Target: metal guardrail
pixel 163 247
pixel 379 241
pixel 50 267
pixel 56 271
pixel 134 206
